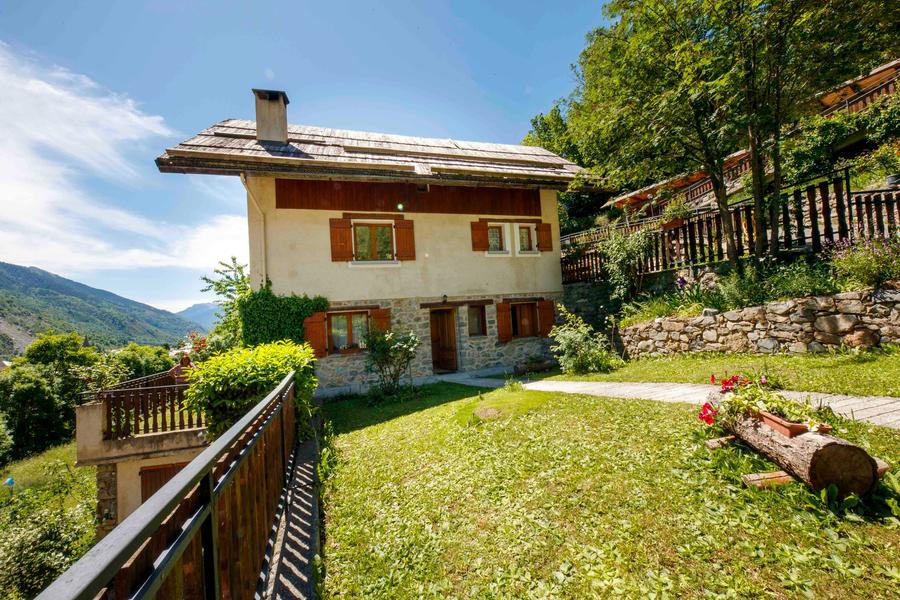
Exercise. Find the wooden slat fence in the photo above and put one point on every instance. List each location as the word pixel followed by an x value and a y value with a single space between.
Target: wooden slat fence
pixel 207 532
pixel 137 411
pixel 810 219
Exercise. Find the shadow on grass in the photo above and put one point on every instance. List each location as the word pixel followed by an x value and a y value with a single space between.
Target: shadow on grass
pixel 349 413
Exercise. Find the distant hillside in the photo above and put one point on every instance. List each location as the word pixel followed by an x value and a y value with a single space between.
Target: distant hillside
pixel 203 314
pixel 33 300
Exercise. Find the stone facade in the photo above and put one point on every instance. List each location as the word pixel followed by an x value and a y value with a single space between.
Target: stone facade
pixel 346 373
pixel 857 319
pixel 107 507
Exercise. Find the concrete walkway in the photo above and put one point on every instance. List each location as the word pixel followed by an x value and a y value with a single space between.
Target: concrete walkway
pixel 880 410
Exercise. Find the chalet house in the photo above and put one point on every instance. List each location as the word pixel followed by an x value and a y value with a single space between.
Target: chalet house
pixel 457 241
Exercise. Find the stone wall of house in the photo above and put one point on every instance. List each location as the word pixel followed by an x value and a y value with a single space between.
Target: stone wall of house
pixel 347 372
pixel 856 319
pixel 107 509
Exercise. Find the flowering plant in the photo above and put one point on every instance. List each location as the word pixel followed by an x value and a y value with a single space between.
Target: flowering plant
pixel 742 396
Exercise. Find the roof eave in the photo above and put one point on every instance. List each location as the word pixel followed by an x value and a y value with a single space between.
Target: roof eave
pixel 170 164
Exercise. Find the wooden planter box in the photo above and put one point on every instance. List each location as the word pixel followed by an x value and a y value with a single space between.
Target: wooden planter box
pixel 673 224
pixel 787 428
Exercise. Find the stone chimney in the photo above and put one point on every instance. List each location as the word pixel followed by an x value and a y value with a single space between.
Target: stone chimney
pixel 271 116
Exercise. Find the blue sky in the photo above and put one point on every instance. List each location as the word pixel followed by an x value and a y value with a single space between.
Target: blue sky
pixel 94 91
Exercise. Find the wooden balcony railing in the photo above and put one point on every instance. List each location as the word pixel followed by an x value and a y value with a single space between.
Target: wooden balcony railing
pixel 863 99
pixel 811 217
pixel 207 532
pixel 137 411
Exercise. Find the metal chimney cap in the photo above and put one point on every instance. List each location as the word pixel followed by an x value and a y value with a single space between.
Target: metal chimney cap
pixel 271 95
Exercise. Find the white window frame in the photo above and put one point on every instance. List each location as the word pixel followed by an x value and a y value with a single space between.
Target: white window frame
pixel 534 251
pixel 373 263
pixel 506 252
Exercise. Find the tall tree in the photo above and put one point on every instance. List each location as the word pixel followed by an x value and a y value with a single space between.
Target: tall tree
pixel 230 284
pixel 652 97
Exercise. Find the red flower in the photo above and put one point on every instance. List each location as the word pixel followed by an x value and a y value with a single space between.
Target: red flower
pixel 712 379
pixel 708 414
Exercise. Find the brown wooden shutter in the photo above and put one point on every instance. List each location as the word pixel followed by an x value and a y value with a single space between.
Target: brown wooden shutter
pixel 546 317
pixel 381 319
pixel 504 321
pixel 341 240
pixel 479 236
pixel 406 240
pixel 544 237
pixel 315 332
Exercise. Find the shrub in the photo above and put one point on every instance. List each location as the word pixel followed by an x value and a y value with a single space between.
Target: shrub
pixel 6 442
pixel 621 255
pixel 227 385
pixel 140 361
pixel 43 533
pixel 267 318
pixel 868 263
pixel 388 355
pixel 580 349
pixel 37 417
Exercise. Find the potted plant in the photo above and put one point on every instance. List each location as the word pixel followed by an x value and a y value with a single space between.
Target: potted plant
pixel 740 395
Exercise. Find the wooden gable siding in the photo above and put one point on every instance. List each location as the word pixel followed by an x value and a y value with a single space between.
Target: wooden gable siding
pixel 384 197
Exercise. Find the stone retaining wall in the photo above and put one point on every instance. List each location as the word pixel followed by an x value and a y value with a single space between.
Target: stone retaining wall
pixel 856 319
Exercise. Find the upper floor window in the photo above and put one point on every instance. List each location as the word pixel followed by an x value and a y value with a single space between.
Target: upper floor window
pixel 373 241
pixel 526 240
pixel 495 238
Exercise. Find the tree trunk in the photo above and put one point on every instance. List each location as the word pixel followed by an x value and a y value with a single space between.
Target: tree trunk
pixel 757 186
pixel 816 459
pixel 718 183
pixel 776 199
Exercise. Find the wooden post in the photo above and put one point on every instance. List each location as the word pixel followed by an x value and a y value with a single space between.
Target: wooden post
pixel 786 223
pixel 813 219
pixel 738 234
pixel 826 212
pixel 751 229
pixel 843 231
pixel 891 208
pixel 879 216
pixel 798 216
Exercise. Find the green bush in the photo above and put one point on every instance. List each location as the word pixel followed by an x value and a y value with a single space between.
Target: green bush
pixel 37 417
pixel 6 442
pixel 140 361
pixel 266 317
pixel 227 385
pixel 580 349
pixel 868 263
pixel 388 355
pixel 44 533
pixel 622 254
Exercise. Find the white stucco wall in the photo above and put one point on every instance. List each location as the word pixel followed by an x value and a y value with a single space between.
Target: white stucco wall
pixel 292 247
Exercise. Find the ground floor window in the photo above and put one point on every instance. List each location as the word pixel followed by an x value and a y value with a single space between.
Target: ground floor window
pixel 524 319
pixel 477 322
pixel 347 331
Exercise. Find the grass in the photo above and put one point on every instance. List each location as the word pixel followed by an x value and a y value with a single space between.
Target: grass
pixel 31 472
pixel 513 493
pixel 872 373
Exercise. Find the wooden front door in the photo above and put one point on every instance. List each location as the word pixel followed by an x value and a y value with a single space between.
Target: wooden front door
pixel 153 478
pixel 443 340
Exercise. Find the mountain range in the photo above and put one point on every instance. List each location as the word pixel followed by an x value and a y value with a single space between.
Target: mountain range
pixel 33 300
pixel 203 313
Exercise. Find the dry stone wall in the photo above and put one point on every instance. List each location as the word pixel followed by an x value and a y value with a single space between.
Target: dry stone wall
pixel 856 319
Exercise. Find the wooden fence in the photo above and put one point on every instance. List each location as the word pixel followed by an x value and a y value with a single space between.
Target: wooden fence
pixel 136 411
pixel 207 532
pixel 810 218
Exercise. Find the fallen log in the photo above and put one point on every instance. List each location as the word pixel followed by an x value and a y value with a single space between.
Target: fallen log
pixel 819 460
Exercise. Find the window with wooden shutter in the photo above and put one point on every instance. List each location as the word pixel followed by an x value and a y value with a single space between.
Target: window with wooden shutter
pixel 314 332
pixel 406 240
pixel 504 322
pixel 479 236
pixel 341 240
pixel 381 319
pixel 546 316
pixel 544 237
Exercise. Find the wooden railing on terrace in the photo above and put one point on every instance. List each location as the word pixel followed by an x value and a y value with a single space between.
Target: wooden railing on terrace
pixel 207 532
pixel 811 217
pixel 864 98
pixel 136 411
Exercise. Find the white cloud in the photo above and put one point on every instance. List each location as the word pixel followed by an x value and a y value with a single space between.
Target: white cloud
pixel 57 125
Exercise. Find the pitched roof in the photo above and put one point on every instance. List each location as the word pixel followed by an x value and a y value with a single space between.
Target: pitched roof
pixel 231 148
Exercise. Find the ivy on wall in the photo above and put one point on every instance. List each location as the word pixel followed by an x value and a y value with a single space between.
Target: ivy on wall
pixel 267 317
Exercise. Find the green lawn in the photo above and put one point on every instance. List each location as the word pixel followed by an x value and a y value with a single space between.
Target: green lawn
pixel 32 471
pixel 530 494
pixel 866 373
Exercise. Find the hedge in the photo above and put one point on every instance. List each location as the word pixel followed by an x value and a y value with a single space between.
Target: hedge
pixel 226 386
pixel 266 317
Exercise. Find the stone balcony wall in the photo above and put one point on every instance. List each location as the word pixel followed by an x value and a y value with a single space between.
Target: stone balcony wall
pixel 814 324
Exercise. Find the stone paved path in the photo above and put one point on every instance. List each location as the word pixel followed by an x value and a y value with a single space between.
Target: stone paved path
pixel 880 410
